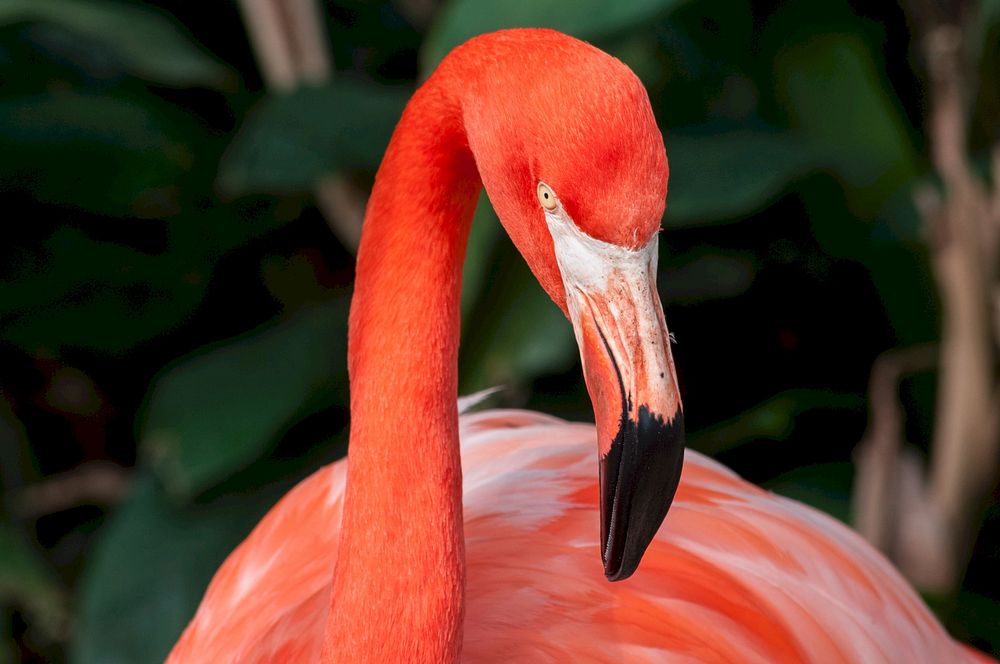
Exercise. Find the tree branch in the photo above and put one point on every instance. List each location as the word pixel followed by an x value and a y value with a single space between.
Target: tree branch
pixel 931 539
pixel 874 503
pixel 289 40
pixel 94 483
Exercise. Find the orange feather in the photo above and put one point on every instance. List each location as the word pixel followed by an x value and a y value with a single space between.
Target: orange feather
pixel 737 574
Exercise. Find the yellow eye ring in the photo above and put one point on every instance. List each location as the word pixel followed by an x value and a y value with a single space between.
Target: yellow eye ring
pixel 547 197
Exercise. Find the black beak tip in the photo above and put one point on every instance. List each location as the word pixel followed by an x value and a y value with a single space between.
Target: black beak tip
pixel 619 574
pixel 639 477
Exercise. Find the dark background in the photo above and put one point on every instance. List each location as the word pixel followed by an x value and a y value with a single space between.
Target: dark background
pixel 173 301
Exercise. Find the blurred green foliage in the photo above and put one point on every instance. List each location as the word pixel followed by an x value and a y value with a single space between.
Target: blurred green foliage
pixel 248 391
pixel 587 19
pixel 309 133
pixel 107 35
pixel 148 571
pixel 171 300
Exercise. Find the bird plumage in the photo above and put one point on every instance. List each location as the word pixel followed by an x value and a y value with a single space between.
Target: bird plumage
pixel 737 574
pixel 392 556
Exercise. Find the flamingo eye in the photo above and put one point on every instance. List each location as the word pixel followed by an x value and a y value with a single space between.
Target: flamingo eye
pixel 547 197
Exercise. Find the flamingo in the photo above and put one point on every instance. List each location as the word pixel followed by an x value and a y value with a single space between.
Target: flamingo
pixel 383 558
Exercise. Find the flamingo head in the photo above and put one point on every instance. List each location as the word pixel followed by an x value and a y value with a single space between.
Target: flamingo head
pixel 572 159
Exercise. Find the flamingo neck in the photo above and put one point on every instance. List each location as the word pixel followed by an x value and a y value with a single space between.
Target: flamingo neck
pixel 398 591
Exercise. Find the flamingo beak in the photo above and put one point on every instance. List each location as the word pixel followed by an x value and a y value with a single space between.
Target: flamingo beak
pixel 640 424
pixel 625 349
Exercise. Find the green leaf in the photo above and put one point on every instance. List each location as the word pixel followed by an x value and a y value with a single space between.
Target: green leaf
pixel 485 235
pixel 127 156
pixel 718 176
pixel 986 23
pixel 834 94
pixel 99 295
pixel 976 617
pixel 825 486
pixel 586 19
pixel 220 410
pixel 291 140
pixel 513 333
pixel 26 582
pixel 145 42
pixel 150 569
pixel 772 419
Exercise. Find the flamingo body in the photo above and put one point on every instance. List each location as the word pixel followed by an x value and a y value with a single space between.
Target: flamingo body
pixel 478 538
pixel 736 574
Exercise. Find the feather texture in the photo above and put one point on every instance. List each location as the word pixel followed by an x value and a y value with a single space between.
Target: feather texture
pixel 736 574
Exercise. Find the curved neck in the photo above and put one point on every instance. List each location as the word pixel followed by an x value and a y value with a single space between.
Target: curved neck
pixel 399 583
